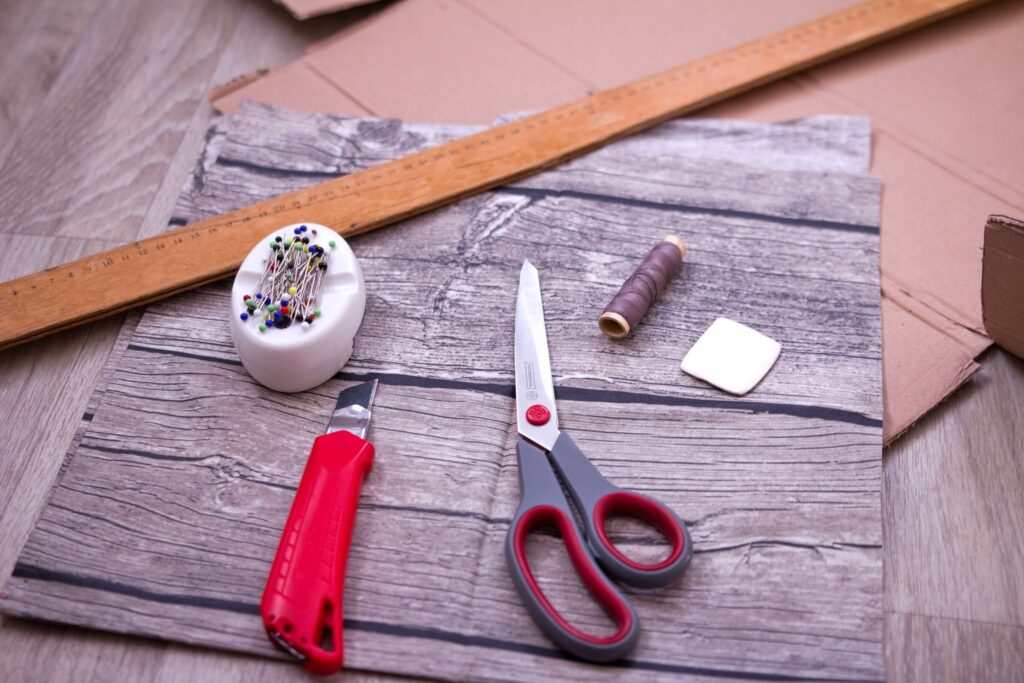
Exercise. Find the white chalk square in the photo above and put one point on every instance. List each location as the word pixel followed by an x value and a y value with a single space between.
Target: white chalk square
pixel 731 356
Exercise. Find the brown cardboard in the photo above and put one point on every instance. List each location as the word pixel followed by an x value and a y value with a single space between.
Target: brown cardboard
pixel 442 62
pixel 304 9
pixel 1002 282
pixel 943 102
pixel 223 90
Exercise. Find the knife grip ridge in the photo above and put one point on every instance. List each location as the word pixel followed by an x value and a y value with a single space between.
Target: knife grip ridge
pixel 302 601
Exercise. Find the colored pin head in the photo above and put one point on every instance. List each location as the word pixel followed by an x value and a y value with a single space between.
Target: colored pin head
pixel 289 288
pixel 299 284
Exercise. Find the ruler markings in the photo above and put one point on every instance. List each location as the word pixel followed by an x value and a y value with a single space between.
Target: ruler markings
pixel 196 254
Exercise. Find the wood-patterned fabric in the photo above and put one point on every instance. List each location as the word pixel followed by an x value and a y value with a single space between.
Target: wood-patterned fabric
pixel 168 510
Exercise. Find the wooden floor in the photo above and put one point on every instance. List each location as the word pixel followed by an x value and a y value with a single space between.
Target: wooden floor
pixel 101 116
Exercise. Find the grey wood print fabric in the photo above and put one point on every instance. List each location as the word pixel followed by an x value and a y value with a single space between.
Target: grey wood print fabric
pixel 168 511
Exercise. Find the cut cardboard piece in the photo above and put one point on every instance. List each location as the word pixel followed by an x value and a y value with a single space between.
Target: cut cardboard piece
pixel 238 82
pixel 1002 282
pixel 298 83
pixel 304 9
pixel 939 99
pixel 431 61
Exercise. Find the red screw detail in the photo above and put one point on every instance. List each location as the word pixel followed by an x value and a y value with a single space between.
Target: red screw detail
pixel 537 415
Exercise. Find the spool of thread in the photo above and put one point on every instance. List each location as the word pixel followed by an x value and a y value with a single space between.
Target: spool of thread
pixel 641 289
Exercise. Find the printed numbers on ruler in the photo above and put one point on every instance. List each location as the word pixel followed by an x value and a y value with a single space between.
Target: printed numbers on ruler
pixel 210 249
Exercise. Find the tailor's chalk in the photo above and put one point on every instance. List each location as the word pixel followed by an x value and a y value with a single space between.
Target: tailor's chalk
pixel 731 356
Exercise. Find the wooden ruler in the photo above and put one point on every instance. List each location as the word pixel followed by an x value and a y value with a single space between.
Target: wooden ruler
pixel 181 259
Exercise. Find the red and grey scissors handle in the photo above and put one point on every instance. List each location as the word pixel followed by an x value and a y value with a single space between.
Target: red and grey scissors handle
pixel 302 601
pixel 598 499
pixel 544 505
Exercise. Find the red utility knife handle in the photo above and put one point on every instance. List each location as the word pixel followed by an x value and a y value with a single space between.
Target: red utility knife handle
pixel 301 604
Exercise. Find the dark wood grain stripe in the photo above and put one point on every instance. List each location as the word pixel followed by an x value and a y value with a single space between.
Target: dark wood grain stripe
pixel 570 393
pixel 688 208
pixel 30 572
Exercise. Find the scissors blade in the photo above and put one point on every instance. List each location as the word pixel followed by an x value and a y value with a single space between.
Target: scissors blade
pixel 535 392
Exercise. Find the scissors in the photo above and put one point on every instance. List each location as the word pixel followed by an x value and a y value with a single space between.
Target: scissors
pixel 544 450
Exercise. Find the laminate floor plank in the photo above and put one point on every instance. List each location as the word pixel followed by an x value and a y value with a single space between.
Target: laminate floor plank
pixel 92 156
pixel 36 38
pixel 939 650
pixel 954 505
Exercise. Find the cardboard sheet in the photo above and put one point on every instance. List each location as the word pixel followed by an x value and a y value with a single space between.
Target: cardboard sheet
pixel 944 102
pixel 183 470
pixel 1002 290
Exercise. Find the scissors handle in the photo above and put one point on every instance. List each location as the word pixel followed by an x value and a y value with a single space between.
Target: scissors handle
pixel 598 499
pixel 543 504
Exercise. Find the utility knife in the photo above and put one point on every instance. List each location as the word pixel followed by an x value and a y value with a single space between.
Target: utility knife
pixel 301 606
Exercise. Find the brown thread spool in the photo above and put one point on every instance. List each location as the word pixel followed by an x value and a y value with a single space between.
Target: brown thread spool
pixel 642 288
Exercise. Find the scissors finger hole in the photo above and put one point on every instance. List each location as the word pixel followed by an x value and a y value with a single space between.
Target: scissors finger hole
pixel 638 520
pixel 589 600
pixel 553 570
pixel 639 540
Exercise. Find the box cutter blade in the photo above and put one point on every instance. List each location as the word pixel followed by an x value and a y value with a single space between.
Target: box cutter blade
pixel 302 601
pixel 353 409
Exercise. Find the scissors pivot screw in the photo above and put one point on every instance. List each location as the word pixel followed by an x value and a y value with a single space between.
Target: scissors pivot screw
pixel 538 415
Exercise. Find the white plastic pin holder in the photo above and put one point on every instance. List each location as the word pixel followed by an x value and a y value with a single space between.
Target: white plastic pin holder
pixel 300 356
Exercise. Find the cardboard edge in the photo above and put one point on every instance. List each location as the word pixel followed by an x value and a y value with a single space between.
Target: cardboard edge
pixel 306 89
pixel 954 361
pixel 1002 282
pixel 961 377
pixel 221 91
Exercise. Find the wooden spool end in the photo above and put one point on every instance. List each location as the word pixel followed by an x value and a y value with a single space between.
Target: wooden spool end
pixel 614 325
pixel 615 320
pixel 678 241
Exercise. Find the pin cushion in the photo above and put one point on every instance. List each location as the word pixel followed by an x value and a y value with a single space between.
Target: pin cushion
pixel 296 304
